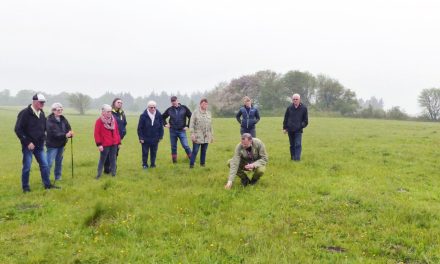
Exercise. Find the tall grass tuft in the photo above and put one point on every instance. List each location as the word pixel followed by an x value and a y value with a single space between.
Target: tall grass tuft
pixel 100 212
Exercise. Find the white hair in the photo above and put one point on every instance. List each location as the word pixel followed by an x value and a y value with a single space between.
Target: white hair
pixel 55 106
pixel 151 103
pixel 296 95
pixel 106 107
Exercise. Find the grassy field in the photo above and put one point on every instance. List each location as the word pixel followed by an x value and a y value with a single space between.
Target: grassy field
pixel 366 191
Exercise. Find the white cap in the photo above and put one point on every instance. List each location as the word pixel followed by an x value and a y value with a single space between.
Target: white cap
pixel 39 97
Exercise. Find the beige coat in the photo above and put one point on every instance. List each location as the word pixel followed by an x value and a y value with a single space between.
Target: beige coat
pixel 200 126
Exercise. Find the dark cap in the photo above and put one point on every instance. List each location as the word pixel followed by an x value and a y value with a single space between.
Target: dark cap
pixel 173 98
pixel 39 97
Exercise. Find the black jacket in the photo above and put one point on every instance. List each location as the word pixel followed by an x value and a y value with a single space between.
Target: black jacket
pixel 146 131
pixel 29 128
pixel 122 122
pixel 56 131
pixel 249 117
pixel 295 119
pixel 177 116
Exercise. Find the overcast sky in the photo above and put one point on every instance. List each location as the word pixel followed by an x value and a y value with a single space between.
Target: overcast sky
pixel 388 49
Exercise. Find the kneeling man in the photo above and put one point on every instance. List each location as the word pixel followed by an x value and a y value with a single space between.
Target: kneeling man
pixel 250 155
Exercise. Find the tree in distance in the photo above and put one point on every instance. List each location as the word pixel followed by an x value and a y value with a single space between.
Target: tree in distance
pixel 80 102
pixel 429 99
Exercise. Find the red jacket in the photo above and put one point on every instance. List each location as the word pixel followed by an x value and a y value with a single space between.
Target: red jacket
pixel 106 137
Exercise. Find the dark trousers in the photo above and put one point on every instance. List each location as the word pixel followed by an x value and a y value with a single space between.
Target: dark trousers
pixel 195 150
pixel 149 148
pixel 110 153
pixel 247 130
pixel 107 168
pixel 295 145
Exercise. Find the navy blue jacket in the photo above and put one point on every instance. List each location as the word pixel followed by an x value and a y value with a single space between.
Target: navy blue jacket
pixel 29 128
pixel 177 116
pixel 295 119
pixel 122 122
pixel 249 117
pixel 56 131
pixel 146 131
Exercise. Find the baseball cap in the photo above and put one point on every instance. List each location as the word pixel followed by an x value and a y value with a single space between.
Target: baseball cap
pixel 39 97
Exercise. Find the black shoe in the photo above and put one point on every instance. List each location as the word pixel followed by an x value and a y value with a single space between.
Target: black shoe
pixel 202 165
pixel 253 181
pixel 52 187
pixel 245 182
pixel 144 167
pixel 174 161
pixel 97 177
pixel 106 171
pixel 153 166
pixel 26 190
pixel 191 166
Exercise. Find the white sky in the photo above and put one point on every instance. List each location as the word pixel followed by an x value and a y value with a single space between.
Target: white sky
pixel 384 48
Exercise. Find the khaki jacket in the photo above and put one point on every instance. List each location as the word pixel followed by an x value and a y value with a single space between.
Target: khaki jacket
pixel 200 126
pixel 240 158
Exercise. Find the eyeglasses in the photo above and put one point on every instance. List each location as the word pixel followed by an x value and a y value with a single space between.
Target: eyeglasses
pixel 296 99
pixel 59 109
pixel 152 107
pixel 41 102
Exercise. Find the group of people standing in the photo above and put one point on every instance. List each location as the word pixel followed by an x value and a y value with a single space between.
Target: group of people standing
pixel 34 130
pixel 110 128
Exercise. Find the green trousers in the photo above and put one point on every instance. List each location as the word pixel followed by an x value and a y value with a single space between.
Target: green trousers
pixel 241 172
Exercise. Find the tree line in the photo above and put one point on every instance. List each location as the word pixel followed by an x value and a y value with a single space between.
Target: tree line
pixel 270 91
pixel 82 102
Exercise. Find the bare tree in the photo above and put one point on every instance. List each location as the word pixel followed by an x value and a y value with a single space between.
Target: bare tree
pixel 429 99
pixel 80 102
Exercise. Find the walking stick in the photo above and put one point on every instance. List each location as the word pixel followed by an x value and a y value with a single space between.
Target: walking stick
pixel 71 153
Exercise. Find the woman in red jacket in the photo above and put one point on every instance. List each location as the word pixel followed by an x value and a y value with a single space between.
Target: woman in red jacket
pixel 107 139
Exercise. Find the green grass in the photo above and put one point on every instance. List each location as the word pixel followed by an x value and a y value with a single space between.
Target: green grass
pixel 366 191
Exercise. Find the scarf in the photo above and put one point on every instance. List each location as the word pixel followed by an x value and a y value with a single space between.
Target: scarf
pixel 152 116
pixel 109 122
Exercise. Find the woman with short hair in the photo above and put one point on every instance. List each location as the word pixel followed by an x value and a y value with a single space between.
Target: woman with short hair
pixel 107 139
pixel 150 132
pixel 200 129
pixel 58 131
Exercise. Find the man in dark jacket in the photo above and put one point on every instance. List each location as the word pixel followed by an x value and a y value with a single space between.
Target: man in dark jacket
pixel 295 119
pixel 248 117
pixel 150 132
pixel 178 125
pixel 30 129
pixel 119 115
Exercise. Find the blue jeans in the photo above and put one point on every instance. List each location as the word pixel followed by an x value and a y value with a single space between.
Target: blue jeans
pixel 295 145
pixel 40 156
pixel 181 134
pixel 57 155
pixel 110 152
pixel 149 147
pixel 247 130
pixel 204 148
